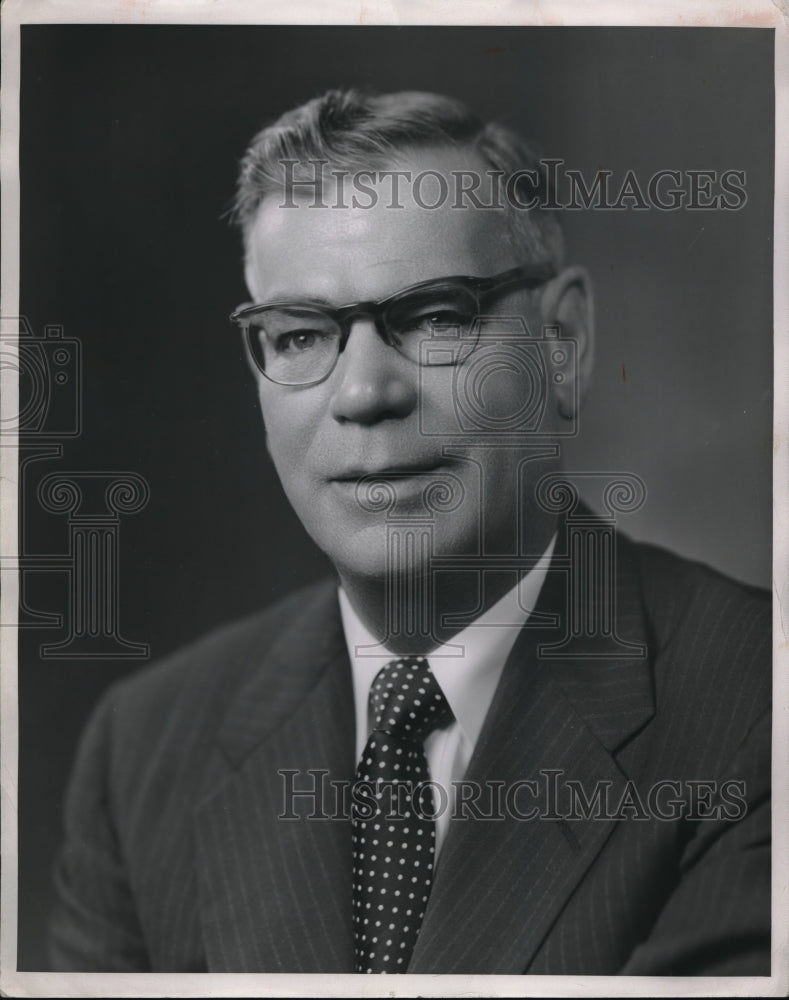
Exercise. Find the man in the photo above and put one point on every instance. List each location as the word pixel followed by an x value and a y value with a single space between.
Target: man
pixel 505 739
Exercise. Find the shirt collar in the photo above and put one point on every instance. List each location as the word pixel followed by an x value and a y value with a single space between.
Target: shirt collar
pixel 467 667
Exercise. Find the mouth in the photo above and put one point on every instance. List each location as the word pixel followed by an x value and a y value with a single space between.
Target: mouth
pixel 415 486
pixel 404 471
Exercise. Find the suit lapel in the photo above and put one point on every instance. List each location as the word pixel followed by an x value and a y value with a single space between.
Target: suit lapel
pixel 276 891
pixel 501 883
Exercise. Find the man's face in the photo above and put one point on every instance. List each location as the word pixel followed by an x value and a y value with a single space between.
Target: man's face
pixel 378 413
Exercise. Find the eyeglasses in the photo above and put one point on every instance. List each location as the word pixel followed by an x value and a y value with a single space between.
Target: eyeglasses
pixel 298 343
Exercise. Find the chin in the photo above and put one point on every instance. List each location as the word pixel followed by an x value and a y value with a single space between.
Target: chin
pixel 380 552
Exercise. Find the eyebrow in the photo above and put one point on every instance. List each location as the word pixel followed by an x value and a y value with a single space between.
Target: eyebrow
pixel 307 300
pixel 320 300
pixel 285 295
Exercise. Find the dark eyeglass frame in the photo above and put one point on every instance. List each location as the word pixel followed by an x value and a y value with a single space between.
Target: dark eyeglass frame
pixel 342 316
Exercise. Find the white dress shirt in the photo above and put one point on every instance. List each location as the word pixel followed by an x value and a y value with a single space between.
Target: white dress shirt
pixel 467 668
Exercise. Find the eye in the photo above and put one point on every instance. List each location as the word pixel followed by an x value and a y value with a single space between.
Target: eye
pixel 434 319
pixel 446 317
pixel 430 311
pixel 297 341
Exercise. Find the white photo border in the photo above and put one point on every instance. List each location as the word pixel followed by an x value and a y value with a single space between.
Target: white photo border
pixel 689 13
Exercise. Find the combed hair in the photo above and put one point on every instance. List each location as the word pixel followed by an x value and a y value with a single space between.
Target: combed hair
pixel 356 130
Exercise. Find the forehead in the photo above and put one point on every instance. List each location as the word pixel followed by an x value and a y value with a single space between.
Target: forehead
pixel 384 239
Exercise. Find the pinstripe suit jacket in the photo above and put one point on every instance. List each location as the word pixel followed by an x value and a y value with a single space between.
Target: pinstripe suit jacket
pixel 175 858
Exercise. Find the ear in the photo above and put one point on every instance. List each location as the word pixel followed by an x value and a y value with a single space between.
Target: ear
pixel 567 302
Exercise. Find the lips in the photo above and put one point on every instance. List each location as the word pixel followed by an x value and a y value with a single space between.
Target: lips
pixel 388 472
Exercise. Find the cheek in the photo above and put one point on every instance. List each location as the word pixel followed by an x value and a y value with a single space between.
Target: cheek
pixel 436 408
pixel 494 392
pixel 288 427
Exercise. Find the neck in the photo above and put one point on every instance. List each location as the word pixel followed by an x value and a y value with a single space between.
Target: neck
pixel 414 613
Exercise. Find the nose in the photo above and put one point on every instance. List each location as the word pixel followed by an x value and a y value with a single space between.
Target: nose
pixel 372 381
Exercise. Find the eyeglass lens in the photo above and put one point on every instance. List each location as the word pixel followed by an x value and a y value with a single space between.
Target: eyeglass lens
pixel 297 344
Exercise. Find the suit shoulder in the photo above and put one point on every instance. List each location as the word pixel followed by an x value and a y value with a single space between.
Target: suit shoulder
pixel 672 582
pixel 209 670
pixel 706 621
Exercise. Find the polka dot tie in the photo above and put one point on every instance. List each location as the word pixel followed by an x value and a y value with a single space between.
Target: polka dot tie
pixel 393 826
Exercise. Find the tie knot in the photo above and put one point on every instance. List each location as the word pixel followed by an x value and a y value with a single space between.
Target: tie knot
pixel 406 700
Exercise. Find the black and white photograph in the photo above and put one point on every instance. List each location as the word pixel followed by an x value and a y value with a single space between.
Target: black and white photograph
pixel 394 507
